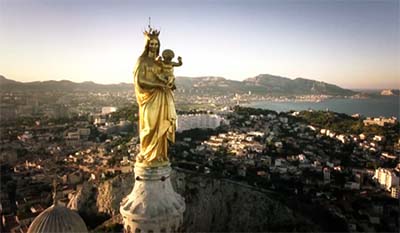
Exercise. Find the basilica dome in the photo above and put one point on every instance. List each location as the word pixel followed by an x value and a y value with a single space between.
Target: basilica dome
pixel 57 218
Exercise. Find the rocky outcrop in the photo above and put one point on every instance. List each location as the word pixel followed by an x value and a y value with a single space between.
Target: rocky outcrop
pixel 214 205
pixel 111 192
pixel 103 198
pixel 211 204
pixel 84 199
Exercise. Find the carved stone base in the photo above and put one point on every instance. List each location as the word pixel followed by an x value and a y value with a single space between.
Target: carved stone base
pixel 153 205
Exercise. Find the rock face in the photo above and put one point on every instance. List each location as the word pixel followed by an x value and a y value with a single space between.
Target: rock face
pixel 111 192
pixel 211 204
pixel 104 198
pixel 214 205
pixel 84 199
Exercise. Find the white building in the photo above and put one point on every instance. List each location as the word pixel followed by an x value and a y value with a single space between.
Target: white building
pixel 381 121
pixel 73 136
pixel 191 121
pixel 386 178
pixel 379 138
pixel 395 192
pixel 108 110
pixel 99 120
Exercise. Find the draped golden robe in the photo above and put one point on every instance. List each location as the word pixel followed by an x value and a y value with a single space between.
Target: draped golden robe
pixel 157 115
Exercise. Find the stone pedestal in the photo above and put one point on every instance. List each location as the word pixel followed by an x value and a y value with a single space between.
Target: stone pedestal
pixel 153 205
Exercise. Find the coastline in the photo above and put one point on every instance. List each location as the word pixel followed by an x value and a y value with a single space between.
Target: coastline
pixel 386 106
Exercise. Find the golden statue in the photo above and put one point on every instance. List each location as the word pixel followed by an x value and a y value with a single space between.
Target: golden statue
pixel 154 84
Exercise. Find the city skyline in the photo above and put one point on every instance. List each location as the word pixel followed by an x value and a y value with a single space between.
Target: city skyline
pixel 351 44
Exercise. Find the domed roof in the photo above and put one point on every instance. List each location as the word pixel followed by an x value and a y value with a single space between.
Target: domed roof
pixel 57 218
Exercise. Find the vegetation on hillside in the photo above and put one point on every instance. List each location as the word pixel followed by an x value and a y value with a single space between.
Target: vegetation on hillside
pixel 129 113
pixel 342 123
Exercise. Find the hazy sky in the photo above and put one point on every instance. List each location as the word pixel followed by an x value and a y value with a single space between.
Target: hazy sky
pixel 354 44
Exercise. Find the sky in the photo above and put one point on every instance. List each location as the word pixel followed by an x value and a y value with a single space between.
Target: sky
pixel 353 44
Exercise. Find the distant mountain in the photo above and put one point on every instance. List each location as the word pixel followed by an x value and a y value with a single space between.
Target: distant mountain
pixel 210 85
pixel 4 81
pixel 62 86
pixel 262 84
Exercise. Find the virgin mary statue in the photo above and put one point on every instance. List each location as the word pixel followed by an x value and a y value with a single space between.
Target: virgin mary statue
pixel 157 115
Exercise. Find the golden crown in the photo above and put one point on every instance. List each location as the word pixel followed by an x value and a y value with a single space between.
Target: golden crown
pixel 151 33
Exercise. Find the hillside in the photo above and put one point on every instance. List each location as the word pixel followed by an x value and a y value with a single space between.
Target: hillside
pixel 61 86
pixel 263 84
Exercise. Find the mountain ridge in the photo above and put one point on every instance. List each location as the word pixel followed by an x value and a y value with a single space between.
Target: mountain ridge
pixel 261 84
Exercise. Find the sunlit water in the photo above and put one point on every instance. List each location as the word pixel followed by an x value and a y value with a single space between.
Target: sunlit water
pixel 386 106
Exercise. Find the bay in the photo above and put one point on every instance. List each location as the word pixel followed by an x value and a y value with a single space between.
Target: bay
pixel 386 106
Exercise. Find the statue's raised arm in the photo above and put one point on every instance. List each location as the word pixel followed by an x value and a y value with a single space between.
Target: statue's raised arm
pixel 179 63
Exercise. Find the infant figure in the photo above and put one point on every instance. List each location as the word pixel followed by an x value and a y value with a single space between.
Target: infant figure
pixel 167 66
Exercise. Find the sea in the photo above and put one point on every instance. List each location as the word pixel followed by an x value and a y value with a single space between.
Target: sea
pixel 386 106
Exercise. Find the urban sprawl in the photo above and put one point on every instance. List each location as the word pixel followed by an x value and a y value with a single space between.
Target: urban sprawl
pixel 349 174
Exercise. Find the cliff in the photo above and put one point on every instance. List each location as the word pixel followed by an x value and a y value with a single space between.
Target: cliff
pixel 211 204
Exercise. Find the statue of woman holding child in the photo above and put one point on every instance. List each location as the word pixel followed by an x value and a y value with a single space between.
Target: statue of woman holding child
pixel 154 85
pixel 153 205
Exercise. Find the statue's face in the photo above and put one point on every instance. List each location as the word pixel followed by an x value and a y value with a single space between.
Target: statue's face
pixel 153 45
